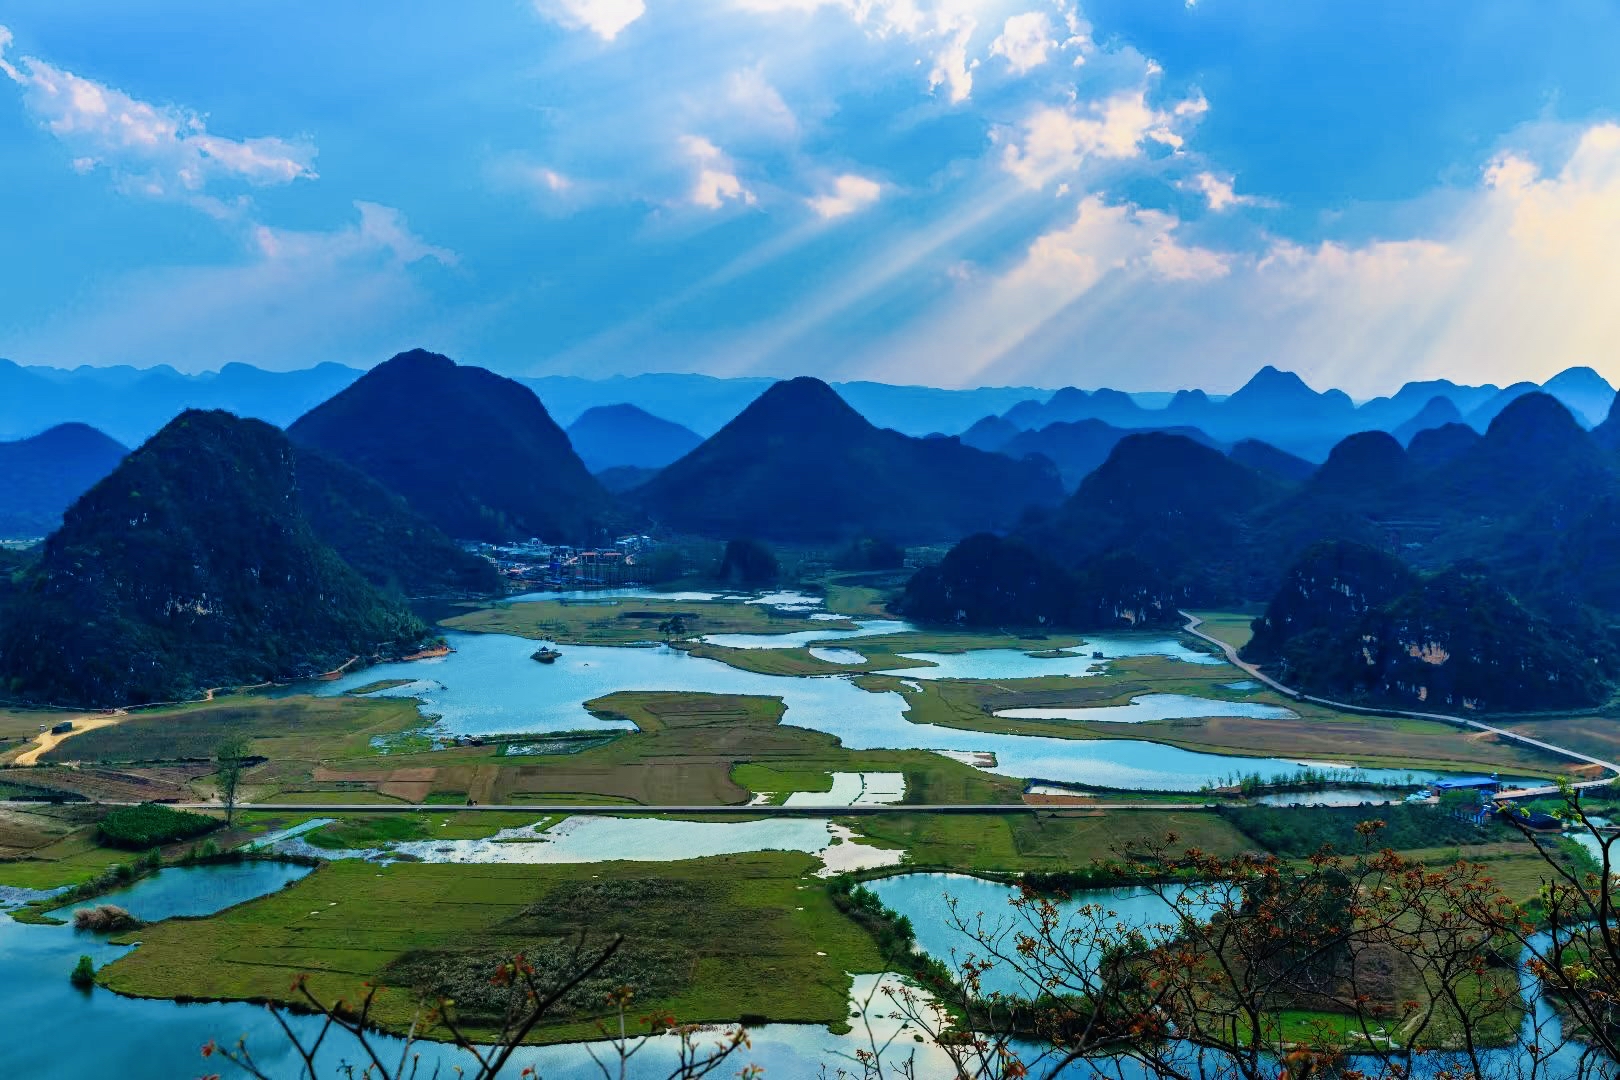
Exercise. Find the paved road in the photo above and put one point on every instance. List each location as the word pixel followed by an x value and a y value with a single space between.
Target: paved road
pixel 1194 622
pixel 625 808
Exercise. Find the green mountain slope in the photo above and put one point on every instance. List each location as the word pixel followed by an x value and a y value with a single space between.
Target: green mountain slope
pixel 192 565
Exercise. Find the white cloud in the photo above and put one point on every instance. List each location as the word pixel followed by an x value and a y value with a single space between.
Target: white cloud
pixel 751 102
pixel 1054 141
pixel 1218 192
pixel 1025 41
pixel 849 193
pixel 1517 282
pixel 717 183
pixel 944 29
pixel 990 317
pixel 159 151
pixel 604 18
pixel 1515 278
pixel 292 298
pixel 380 231
pixel 550 179
pixel 952 67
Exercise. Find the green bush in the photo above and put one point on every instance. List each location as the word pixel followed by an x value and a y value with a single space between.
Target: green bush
pixel 84 973
pixel 137 828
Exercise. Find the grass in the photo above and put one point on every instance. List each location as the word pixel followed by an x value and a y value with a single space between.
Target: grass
pixel 781 781
pixel 1596 734
pixel 631 621
pixel 1231 627
pixel 298 728
pixel 52 845
pixel 756 936
pixel 860 601
pixel 1061 840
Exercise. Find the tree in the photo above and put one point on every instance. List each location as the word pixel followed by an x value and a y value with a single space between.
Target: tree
pixel 749 563
pixel 1260 969
pixel 230 757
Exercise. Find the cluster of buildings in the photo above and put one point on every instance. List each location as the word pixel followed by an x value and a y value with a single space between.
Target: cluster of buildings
pixel 533 564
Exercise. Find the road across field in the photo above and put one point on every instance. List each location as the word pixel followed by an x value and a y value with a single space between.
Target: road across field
pixel 1194 622
pixel 743 810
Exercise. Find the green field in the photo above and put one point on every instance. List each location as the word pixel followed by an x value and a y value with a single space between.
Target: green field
pixel 285 729
pixel 756 937
pixel 1232 627
pixel 1046 841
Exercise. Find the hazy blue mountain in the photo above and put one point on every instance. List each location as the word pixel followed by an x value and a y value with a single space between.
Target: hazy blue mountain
pixel 622 478
pixel 1480 418
pixel 800 464
pixel 1433 447
pixel 41 476
pixel 1267 460
pixel 1439 412
pixel 473 452
pixel 1078 447
pixel 706 403
pixel 611 436
pixel 130 404
pixel 1584 392
pixel 990 433
pixel 1607 434
pixel 1389 413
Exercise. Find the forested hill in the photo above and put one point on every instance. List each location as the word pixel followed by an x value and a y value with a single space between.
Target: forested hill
pixel 800 464
pixel 1463 542
pixel 473 452
pixel 192 565
pixel 1356 624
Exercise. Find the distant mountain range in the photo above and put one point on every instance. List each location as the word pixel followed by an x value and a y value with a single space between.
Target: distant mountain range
pixel 800 464
pixel 40 477
pixel 1512 532
pixel 130 404
pixel 1276 407
pixel 1279 408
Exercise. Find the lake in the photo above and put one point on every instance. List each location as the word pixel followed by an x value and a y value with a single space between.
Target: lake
pixel 489 686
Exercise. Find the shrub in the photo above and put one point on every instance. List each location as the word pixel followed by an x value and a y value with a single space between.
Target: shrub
pixel 105 919
pixel 137 828
pixel 84 973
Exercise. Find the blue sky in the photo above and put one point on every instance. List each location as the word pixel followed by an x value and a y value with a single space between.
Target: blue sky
pixel 1139 193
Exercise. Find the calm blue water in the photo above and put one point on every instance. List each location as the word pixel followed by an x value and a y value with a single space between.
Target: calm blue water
pixel 490 686
pixel 1078 662
pixel 195 890
pixel 1154 707
pixel 798 639
pixel 986 906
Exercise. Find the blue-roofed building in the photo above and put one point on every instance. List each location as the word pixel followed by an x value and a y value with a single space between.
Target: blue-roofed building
pixel 1468 783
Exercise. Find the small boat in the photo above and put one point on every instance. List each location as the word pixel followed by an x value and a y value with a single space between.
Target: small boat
pixel 545 655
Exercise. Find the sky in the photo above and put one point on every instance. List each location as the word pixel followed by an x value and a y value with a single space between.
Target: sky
pixel 1145 194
